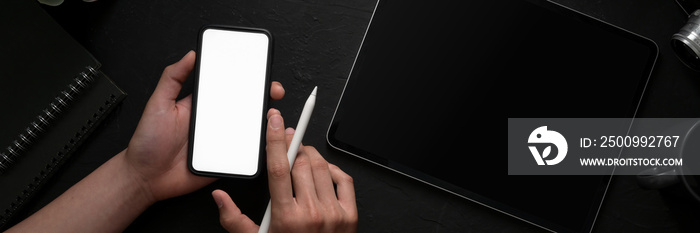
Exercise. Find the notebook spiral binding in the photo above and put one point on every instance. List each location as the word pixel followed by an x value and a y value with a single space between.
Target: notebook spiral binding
pixel 24 140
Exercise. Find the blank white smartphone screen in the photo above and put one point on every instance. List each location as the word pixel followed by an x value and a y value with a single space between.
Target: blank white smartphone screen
pixel 230 101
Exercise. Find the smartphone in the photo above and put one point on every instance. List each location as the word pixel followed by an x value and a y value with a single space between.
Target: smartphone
pixel 231 90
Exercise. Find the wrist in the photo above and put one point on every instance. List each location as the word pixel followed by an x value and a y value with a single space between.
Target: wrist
pixel 141 190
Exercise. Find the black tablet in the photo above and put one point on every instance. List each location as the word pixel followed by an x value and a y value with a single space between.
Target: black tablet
pixel 434 81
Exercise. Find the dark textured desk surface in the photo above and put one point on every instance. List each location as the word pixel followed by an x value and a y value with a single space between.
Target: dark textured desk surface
pixel 315 44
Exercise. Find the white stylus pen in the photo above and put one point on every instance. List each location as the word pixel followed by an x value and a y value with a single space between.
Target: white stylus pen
pixel 293 149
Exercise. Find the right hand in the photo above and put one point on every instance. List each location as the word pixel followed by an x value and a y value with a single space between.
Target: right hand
pixel 304 200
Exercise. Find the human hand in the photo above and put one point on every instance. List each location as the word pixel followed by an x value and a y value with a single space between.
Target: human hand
pixel 303 201
pixel 158 149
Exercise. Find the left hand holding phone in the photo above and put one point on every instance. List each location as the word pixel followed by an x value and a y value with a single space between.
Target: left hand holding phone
pixel 158 149
pixel 152 168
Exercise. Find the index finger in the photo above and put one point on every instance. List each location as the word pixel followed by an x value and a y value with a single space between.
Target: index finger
pixel 278 170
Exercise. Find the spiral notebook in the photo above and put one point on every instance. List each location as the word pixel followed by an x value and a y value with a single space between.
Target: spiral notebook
pixel 52 96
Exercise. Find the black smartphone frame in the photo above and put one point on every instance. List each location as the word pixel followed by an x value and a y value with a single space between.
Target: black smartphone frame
pixel 265 101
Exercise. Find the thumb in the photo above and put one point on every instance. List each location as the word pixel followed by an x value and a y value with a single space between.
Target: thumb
pixel 230 216
pixel 173 77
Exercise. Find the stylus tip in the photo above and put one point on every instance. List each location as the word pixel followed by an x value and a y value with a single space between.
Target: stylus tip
pixel 314 91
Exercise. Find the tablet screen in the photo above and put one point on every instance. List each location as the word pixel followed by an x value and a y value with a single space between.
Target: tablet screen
pixel 434 82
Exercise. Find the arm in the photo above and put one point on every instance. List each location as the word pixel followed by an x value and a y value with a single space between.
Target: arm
pixel 152 168
pixel 105 201
pixel 113 195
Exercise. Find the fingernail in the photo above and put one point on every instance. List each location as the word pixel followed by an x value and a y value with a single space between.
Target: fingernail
pixel 289 131
pixel 276 121
pixel 274 111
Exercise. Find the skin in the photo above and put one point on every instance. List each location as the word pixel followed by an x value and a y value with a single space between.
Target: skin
pixel 313 205
pixel 154 167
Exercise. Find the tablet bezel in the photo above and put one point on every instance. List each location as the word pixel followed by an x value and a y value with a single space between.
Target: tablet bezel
pixel 490 203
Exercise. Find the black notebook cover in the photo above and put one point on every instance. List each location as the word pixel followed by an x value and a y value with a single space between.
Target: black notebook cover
pixel 52 95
